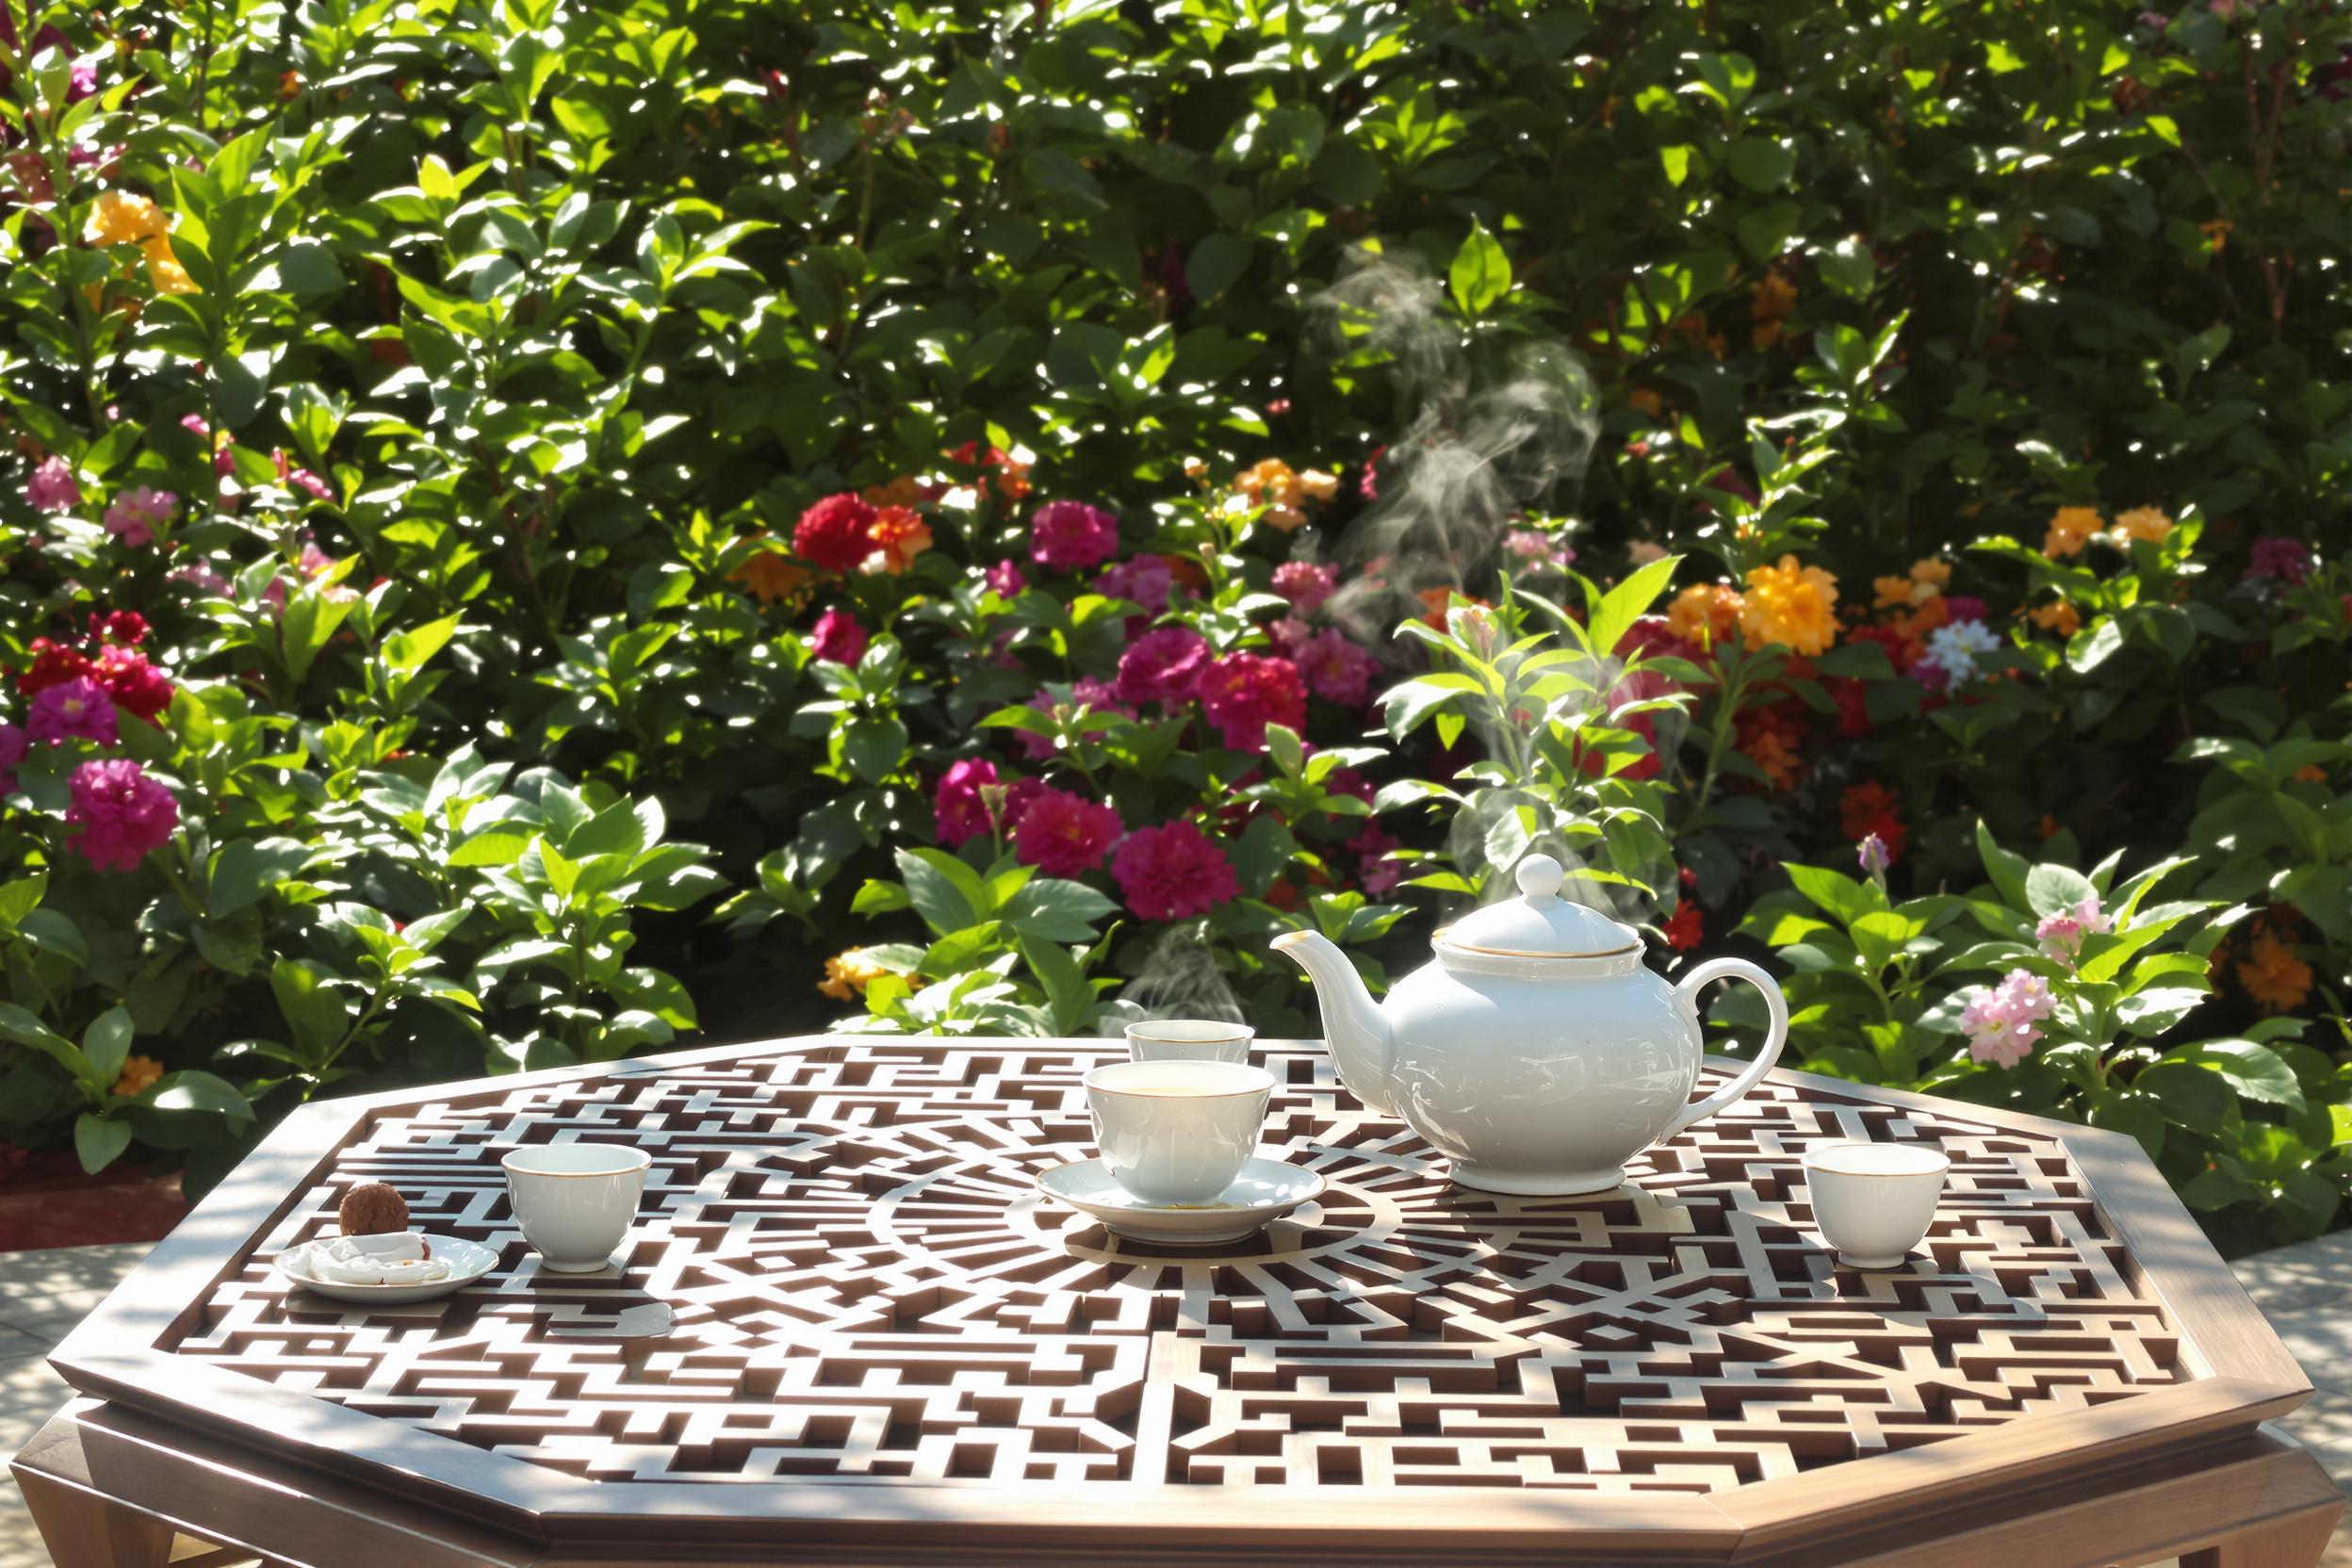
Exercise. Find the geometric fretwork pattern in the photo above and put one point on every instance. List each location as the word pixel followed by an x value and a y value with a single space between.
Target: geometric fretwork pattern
pixel 843 1269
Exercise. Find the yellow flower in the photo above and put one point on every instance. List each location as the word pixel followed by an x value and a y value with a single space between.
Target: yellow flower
pixel 2060 617
pixel 2141 522
pixel 137 1073
pixel 2276 979
pixel 1793 605
pixel 849 973
pixel 1704 612
pixel 164 270
pixel 122 218
pixel 2070 529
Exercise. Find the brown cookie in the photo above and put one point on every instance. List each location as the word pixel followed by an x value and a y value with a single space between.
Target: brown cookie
pixel 373 1210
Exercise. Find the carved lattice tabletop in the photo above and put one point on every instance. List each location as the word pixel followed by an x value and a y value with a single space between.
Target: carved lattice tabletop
pixel 847 1328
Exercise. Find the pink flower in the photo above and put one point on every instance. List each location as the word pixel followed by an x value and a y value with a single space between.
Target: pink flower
pixel 1874 855
pixel 53 487
pixel 957 811
pixel 1146 581
pixel 14 743
pixel 121 811
pixel 77 709
pixel 135 515
pixel 1242 693
pixel 1289 637
pixel 1065 835
pixel 299 478
pixel 1540 552
pixel 1305 585
pixel 837 639
pixel 1377 871
pixel 1172 872
pixel 2280 559
pixel 136 685
pixel 2000 1020
pixel 1086 693
pixel 1072 535
pixel 2061 935
pixel 1005 581
pixel 223 460
pixel 1165 665
pixel 1337 670
pixel 204 578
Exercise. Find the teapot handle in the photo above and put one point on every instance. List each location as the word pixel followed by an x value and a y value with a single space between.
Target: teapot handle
pixel 1687 990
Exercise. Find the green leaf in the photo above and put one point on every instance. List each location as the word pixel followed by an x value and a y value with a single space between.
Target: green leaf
pixel 2051 889
pixel 2256 1071
pixel 1480 273
pixel 2195 1097
pixel 197 1091
pixel 1052 909
pixel 1613 614
pixel 1216 265
pixel 99 1142
pixel 106 1046
pixel 945 892
pixel 2136 1114
pixel 23 1027
pixel 1762 164
pixel 22 897
pixel 1834 894
pixel 1067 993
pixel 316 1014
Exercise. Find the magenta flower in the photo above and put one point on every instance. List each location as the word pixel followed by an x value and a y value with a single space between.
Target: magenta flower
pixel 1305 585
pixel 1065 835
pixel 837 639
pixel 2001 1020
pixel 957 809
pixel 1172 872
pixel 1964 609
pixel 2061 935
pixel 136 514
pixel 1874 854
pixel 1165 665
pixel 1242 693
pixel 14 743
pixel 2281 559
pixel 1005 579
pixel 53 487
pixel 1146 581
pixel 122 813
pixel 1337 670
pixel 1072 535
pixel 299 478
pixel 77 710
pixel 1377 872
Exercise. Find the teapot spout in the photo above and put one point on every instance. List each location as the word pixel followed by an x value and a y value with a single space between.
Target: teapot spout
pixel 1353 1029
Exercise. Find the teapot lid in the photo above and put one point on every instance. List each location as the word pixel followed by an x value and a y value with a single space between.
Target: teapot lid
pixel 1540 923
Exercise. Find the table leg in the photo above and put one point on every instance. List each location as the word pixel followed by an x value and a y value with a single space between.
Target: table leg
pixel 2295 1542
pixel 83 1530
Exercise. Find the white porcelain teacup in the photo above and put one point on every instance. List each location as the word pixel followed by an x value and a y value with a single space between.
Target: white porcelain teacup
pixel 1177 1132
pixel 574 1201
pixel 1874 1201
pixel 1188 1039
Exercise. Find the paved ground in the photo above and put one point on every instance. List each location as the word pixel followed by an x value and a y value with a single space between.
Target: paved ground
pixel 2306 1290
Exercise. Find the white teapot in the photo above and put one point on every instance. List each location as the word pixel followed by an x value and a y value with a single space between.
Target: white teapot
pixel 1536 1054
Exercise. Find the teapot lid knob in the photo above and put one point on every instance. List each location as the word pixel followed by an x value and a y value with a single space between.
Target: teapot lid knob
pixel 1539 878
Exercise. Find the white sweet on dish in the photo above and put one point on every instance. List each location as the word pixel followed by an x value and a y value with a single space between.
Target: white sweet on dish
pixel 402 1258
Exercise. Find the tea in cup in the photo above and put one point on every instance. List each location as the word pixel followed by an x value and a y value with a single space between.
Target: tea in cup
pixel 1188 1039
pixel 574 1201
pixel 1874 1201
pixel 1177 1132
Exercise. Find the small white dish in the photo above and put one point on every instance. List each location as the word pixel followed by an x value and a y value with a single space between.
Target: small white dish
pixel 468 1261
pixel 1263 1192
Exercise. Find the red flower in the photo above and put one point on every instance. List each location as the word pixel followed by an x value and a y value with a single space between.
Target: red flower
pixel 837 638
pixel 1869 808
pixel 836 533
pixel 1064 835
pixel 53 664
pixel 1687 927
pixel 1173 873
pixel 137 686
pixel 1242 693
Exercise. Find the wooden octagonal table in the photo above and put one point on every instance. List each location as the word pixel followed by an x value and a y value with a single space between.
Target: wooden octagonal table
pixel 846 1329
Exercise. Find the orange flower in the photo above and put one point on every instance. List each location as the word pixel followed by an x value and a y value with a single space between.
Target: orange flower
pixel 1704 612
pixel 1648 402
pixel 1913 626
pixel 2310 772
pixel 164 270
pixel 906 490
pixel 848 973
pixel 1793 605
pixel 770 575
pixel 1870 808
pixel 2070 529
pixel 903 536
pixel 2058 616
pixel 2141 522
pixel 1770 737
pixel 1272 486
pixel 2216 232
pixel 137 1074
pixel 2273 976
pixel 1773 298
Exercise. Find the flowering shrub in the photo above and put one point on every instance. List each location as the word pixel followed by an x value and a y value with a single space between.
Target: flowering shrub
pixel 970 476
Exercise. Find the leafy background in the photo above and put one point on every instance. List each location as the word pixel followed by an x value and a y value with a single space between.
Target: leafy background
pixel 487 753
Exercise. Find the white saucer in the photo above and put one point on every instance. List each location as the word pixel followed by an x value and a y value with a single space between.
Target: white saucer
pixel 1265 1191
pixel 468 1261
